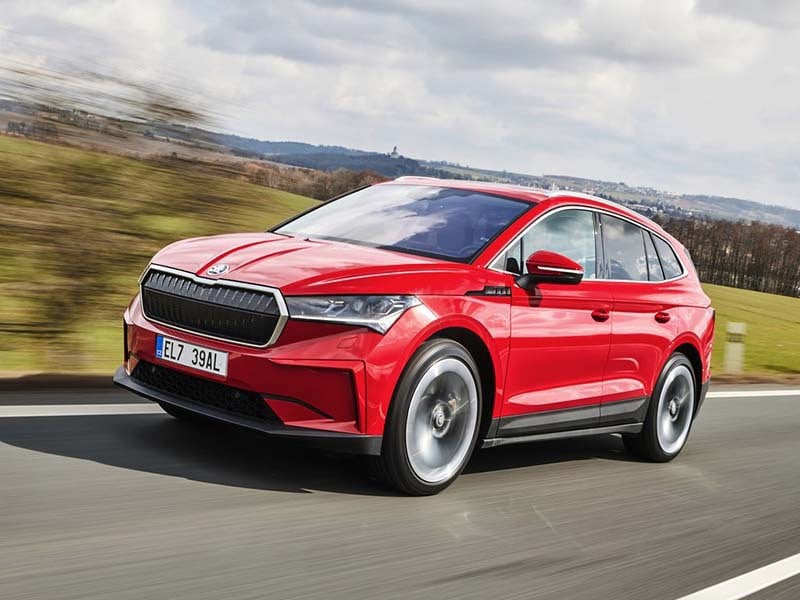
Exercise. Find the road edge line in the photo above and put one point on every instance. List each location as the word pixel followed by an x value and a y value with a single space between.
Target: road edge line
pixel 750 583
pixel 77 410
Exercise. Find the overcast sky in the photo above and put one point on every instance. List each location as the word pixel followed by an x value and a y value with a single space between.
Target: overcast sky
pixel 686 96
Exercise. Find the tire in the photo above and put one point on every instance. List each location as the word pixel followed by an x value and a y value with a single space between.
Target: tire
pixel 669 415
pixel 433 421
pixel 177 412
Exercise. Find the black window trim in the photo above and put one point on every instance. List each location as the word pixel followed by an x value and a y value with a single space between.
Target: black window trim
pixel 601 211
pixel 599 248
pixel 647 259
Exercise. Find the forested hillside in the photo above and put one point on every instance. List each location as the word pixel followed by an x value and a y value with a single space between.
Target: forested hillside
pixel 753 256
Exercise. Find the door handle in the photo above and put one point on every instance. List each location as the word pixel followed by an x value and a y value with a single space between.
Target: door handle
pixel 600 314
pixel 662 317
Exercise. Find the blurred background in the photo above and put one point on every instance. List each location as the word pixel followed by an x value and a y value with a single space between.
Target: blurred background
pixel 128 124
pixel 125 128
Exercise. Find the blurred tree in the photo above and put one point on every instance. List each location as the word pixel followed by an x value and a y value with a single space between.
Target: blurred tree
pixel 74 90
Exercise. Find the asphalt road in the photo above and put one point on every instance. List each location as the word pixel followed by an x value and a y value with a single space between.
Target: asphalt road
pixel 143 506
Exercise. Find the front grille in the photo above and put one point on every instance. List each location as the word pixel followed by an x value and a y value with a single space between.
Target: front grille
pixel 218 310
pixel 203 391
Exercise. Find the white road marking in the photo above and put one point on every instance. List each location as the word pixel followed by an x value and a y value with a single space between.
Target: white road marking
pixel 74 410
pixel 751 582
pixel 67 410
pixel 752 393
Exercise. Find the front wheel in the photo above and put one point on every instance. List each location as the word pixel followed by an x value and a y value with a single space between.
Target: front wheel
pixel 433 421
pixel 669 416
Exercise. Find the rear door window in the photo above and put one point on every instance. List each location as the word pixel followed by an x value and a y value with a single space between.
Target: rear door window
pixel 624 249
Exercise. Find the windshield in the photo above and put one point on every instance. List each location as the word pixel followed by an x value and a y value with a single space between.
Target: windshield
pixel 432 221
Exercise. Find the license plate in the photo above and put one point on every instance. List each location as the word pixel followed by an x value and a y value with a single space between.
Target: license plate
pixel 189 355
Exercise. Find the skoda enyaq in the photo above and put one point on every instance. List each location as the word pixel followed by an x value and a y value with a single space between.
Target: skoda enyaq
pixel 419 319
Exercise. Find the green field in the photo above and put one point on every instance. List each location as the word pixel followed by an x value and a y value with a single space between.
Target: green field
pixel 772 343
pixel 77 228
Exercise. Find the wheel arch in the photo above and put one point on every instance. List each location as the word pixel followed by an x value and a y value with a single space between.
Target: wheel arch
pixel 487 369
pixel 690 349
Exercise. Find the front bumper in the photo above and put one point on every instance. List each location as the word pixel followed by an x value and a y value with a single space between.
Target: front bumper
pixel 329 440
pixel 315 377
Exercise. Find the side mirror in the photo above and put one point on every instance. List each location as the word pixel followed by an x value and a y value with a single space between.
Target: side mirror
pixel 550 267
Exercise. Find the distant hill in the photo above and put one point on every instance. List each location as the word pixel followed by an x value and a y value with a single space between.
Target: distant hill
pixel 722 207
pixel 268 148
pixel 325 158
pixel 382 164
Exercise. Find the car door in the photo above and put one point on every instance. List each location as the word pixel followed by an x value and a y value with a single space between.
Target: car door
pixel 560 333
pixel 643 327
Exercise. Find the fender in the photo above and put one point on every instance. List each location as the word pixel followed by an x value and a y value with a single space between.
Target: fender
pixel 487 318
pixel 683 339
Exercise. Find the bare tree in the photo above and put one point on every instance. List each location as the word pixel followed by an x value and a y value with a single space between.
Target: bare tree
pixel 750 255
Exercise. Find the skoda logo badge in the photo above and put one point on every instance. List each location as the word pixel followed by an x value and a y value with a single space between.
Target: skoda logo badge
pixel 218 269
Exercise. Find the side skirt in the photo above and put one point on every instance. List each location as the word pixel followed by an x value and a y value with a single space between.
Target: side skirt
pixel 560 435
pixel 625 416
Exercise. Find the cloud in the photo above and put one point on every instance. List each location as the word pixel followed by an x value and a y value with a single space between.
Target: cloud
pixel 467 35
pixel 683 95
pixel 779 14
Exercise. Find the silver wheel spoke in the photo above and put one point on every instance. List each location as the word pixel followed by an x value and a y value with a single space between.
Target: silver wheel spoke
pixel 459 407
pixel 442 418
pixel 675 409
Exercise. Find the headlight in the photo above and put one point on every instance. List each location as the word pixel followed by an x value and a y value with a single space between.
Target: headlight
pixel 376 312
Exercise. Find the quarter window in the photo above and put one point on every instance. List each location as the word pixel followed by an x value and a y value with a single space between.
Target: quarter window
pixel 624 249
pixel 568 232
pixel 669 261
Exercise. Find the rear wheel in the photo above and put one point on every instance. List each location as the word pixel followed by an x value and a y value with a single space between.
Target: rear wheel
pixel 433 421
pixel 669 416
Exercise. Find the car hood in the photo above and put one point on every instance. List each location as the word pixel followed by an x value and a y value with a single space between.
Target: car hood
pixel 311 266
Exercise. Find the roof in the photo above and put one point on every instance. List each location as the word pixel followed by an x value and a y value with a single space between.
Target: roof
pixel 520 192
pixel 501 189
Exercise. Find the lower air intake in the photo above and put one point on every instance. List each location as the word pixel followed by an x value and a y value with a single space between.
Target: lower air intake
pixel 203 392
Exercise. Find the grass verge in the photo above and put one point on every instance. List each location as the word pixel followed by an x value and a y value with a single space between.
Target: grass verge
pixel 772 342
pixel 77 229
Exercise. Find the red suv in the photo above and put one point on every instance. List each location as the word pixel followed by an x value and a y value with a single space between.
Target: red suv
pixel 417 319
